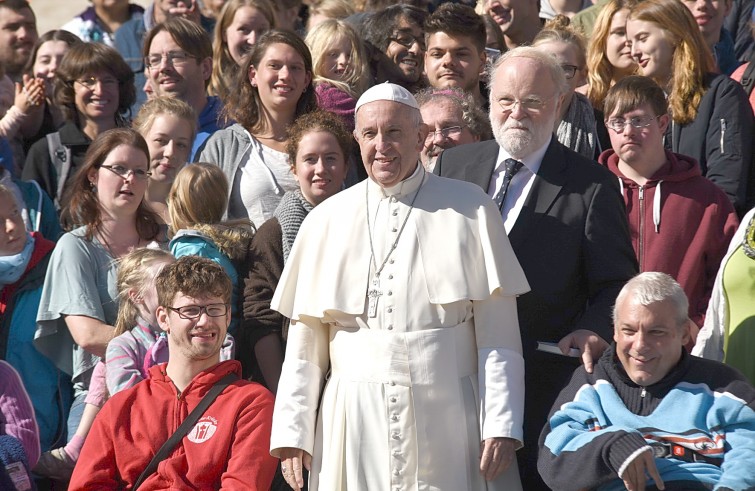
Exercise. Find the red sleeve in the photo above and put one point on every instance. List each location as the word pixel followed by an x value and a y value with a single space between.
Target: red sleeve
pixel 250 465
pixel 96 467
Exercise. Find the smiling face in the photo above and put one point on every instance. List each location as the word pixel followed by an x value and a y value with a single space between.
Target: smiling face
pixel 649 339
pixel 709 16
pixel 618 52
pixel 652 49
pixel 246 28
pixel 196 342
pixel 518 130
pixel 335 60
pixel 18 33
pixel 280 77
pixel 453 61
pixel 320 166
pixel 12 229
pixel 407 54
pixel 439 115
pixel 180 78
pixel 47 62
pixel 389 141
pixel 119 197
pixel 169 142
pixel 97 96
pixel 638 145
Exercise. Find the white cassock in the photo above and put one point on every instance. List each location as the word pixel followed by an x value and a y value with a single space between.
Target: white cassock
pixel 410 393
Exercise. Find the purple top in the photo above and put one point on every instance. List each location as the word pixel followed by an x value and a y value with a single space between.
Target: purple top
pixel 17 414
pixel 340 103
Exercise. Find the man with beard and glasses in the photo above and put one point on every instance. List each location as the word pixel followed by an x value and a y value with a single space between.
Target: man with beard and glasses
pixel 566 222
pixel 396 43
pixel 453 118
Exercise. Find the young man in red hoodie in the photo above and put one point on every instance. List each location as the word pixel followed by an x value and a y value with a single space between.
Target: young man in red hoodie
pixel 228 446
pixel 681 223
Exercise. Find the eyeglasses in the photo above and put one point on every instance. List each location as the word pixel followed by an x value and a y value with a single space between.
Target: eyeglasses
pixel 90 82
pixel 569 71
pixel 531 104
pixel 175 58
pixel 191 312
pixel 407 39
pixel 449 132
pixel 638 122
pixel 125 172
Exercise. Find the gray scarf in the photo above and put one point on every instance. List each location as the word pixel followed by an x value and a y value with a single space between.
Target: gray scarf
pixel 577 129
pixel 291 212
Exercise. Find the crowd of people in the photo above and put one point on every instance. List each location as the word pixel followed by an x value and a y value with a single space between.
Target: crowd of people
pixel 371 245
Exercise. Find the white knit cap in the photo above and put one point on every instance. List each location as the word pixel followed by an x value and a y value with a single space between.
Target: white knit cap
pixel 387 92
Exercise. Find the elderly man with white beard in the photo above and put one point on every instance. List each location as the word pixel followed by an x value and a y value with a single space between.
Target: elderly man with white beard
pixel 565 218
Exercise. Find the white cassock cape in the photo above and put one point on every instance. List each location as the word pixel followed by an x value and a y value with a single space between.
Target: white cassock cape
pixel 409 394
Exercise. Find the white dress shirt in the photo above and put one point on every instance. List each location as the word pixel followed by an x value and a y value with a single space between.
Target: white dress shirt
pixel 520 185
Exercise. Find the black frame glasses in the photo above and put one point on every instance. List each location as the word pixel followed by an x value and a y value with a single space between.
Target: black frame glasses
pixel 569 71
pixel 407 39
pixel 212 310
pixel 444 132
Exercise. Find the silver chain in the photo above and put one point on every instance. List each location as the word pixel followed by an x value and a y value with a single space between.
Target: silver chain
pixel 395 242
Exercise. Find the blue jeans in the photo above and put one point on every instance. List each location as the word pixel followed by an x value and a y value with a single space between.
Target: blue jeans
pixel 74 416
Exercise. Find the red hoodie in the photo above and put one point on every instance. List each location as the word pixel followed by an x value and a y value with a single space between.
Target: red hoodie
pixel 227 449
pixel 681 224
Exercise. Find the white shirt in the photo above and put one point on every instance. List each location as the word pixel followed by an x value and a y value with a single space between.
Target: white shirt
pixel 520 185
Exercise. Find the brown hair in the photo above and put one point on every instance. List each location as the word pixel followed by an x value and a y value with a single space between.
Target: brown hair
pixel 84 59
pixel 318 121
pixel 457 20
pixel 560 30
pixel 224 68
pixel 188 35
pixel 134 274
pixel 691 61
pixel 631 92
pixel 69 38
pixel 80 203
pixel 244 104
pixel 192 276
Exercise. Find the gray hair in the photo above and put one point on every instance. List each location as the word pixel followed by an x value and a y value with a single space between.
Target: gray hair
pixel 471 113
pixel 545 59
pixel 652 287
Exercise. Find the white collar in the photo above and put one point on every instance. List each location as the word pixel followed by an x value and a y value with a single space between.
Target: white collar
pixel 531 161
pixel 403 188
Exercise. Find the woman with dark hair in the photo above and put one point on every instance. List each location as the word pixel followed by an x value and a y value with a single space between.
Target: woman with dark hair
pixel 94 89
pixel 273 89
pixel 79 301
pixel 43 63
pixel 318 148
pixel 712 120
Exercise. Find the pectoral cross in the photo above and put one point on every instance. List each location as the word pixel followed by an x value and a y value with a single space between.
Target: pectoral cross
pixel 373 294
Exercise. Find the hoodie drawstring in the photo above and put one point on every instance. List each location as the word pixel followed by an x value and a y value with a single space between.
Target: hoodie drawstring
pixel 657 207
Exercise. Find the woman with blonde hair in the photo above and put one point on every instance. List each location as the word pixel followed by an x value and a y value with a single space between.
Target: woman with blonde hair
pixel 712 121
pixel 576 126
pixel 272 90
pixel 239 25
pixel 196 205
pixel 341 69
pixel 169 126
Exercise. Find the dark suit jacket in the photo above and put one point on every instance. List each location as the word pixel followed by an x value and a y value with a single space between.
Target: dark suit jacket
pixel 571 238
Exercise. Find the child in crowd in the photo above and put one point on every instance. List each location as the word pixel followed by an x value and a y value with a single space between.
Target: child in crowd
pixel 196 205
pixel 341 71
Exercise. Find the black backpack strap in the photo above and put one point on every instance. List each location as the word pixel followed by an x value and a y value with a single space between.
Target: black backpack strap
pixel 748 77
pixel 185 427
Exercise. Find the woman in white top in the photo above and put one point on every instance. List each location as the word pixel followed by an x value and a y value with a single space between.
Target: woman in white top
pixel 273 89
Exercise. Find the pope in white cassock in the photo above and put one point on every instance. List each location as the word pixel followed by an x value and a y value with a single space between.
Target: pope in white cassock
pixel 402 297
